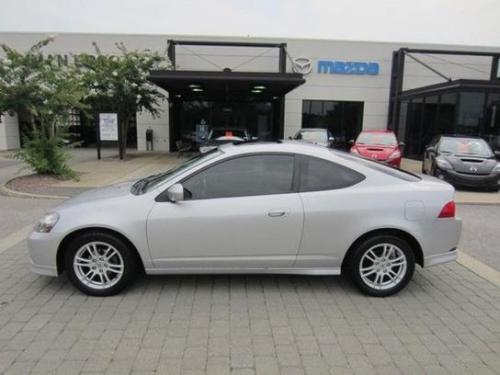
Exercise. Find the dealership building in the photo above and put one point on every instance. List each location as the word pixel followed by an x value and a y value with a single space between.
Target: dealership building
pixel 274 87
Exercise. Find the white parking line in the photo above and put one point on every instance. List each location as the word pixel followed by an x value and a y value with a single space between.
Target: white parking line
pixel 479 268
pixel 14 238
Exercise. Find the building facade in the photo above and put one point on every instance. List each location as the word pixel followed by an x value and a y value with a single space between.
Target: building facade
pixel 274 87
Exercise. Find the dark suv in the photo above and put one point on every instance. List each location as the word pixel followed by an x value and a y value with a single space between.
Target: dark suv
pixel 462 161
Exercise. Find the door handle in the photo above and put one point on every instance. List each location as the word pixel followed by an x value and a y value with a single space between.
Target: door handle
pixel 276 213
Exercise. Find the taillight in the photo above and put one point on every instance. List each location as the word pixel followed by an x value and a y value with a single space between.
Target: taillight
pixel 448 210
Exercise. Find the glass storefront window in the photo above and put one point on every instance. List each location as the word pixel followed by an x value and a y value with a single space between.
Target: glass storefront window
pixel 198 117
pixel 470 112
pixel 414 144
pixel 343 118
pixel 447 113
pixel 431 119
pixel 491 128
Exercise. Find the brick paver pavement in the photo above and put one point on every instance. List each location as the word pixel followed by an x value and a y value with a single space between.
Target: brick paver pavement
pixel 446 321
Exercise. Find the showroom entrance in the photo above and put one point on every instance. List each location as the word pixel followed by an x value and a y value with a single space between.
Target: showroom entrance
pixel 200 101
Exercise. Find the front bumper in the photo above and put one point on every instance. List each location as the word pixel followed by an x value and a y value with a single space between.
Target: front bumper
pixel 490 181
pixel 43 253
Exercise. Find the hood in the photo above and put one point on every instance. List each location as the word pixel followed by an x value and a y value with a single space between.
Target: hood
pixel 471 164
pixel 113 191
pixel 375 152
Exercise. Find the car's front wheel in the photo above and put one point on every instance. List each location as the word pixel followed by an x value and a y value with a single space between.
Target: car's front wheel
pixel 382 265
pixel 100 264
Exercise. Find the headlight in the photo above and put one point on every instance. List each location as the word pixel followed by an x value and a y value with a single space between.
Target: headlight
pixel 46 223
pixel 443 164
pixel 396 154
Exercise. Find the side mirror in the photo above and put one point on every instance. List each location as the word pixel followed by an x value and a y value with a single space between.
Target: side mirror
pixel 254 138
pixel 331 139
pixel 351 141
pixel 497 154
pixel 402 144
pixel 175 193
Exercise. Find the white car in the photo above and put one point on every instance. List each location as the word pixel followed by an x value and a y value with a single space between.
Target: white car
pixel 282 207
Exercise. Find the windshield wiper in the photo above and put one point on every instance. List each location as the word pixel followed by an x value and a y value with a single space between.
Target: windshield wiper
pixel 140 186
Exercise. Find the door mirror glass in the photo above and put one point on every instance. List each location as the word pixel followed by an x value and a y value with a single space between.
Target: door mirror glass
pixel 175 193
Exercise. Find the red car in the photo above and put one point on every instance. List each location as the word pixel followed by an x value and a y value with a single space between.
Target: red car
pixel 380 145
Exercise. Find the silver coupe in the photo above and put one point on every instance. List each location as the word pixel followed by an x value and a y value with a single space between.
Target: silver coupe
pixel 277 207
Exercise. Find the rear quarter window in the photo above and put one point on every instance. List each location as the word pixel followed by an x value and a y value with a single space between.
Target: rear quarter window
pixel 379 167
pixel 320 174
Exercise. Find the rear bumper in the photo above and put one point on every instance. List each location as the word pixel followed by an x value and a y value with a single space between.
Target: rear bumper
pixel 434 260
pixel 490 181
pixel 440 241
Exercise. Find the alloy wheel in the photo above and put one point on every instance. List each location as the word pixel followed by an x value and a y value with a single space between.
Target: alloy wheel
pixel 383 266
pixel 98 265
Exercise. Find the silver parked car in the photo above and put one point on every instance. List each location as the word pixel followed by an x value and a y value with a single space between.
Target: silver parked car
pixel 317 136
pixel 283 207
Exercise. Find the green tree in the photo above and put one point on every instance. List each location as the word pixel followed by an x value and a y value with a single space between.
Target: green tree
pixel 42 91
pixel 118 84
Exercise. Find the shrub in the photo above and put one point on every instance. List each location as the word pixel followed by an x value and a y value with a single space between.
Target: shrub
pixel 46 153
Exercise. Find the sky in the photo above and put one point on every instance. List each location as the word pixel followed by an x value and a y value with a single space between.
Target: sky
pixel 465 22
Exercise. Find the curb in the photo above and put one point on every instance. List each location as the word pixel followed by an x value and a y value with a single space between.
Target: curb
pixel 479 268
pixel 19 194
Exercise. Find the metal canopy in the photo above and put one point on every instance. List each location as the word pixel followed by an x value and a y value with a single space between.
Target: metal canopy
pixel 226 85
pixel 458 84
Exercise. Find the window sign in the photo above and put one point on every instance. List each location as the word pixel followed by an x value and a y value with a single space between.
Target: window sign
pixel 108 126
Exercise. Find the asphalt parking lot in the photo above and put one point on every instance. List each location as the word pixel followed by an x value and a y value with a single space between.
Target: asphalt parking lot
pixel 447 321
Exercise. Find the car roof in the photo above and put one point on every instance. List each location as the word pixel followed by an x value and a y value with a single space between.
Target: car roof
pixel 285 146
pixel 384 131
pixel 459 136
pixel 313 130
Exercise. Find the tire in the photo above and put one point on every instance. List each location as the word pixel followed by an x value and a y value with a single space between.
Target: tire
pixel 373 248
pixel 93 274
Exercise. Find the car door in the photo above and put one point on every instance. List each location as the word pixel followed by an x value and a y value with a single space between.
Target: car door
pixel 331 220
pixel 238 213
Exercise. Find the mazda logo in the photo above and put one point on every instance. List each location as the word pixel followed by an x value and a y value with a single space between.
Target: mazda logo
pixel 473 169
pixel 302 65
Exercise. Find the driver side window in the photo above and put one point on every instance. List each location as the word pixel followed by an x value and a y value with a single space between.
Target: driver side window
pixel 243 176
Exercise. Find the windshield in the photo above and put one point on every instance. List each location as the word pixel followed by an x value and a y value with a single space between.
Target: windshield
pixel 379 139
pixel 220 133
pixel 147 183
pixel 312 136
pixel 465 146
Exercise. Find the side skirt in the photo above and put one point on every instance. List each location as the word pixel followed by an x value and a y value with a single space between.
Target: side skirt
pixel 289 271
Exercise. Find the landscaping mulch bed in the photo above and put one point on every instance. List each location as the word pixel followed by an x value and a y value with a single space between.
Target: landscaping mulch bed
pixel 41 184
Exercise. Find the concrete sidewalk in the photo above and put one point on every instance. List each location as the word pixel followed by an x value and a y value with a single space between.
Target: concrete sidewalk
pixel 110 170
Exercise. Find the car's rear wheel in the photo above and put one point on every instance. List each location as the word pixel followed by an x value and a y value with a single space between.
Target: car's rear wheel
pixel 100 264
pixel 382 265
